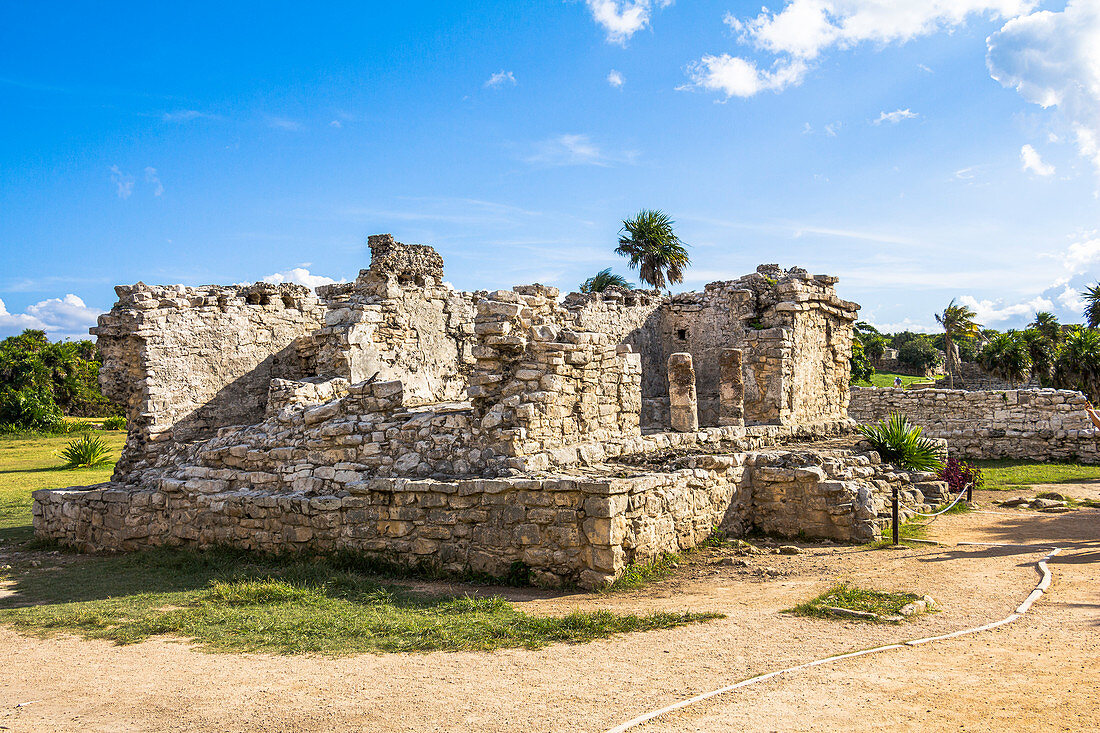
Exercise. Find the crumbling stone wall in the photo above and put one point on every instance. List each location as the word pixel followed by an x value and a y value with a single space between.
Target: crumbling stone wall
pixel 398 320
pixel 186 361
pixel 1034 424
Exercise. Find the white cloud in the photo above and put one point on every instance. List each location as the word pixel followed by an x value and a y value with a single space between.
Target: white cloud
pixel 152 178
pixel 965 174
pixel 1053 60
pixel 124 182
pixel 1031 161
pixel 995 311
pixel 499 79
pixel 896 116
pixel 336 123
pixel 184 115
pixel 575 150
pixel 738 77
pixel 299 276
pixel 66 317
pixel 804 29
pixel 922 67
pixel 284 123
pixel 1079 255
pixel 1071 299
pixel 615 79
pixel 621 19
pixel 832 128
pixel 906 324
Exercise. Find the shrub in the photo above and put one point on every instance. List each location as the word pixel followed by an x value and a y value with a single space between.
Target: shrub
pixel 959 475
pixel 862 370
pixel 899 442
pixel 28 409
pixel 89 450
pixel 919 353
pixel 115 422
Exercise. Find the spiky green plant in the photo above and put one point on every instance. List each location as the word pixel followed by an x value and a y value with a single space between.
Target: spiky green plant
pixel 115 422
pixel 899 442
pixel 1007 356
pixel 89 450
pixel 1092 305
pixel 603 280
pixel 653 248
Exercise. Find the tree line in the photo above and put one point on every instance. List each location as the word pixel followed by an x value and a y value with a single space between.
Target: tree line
pixel 43 381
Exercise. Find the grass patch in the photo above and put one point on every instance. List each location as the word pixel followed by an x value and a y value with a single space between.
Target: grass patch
pixel 226 600
pixel 855 599
pixel 32 462
pixel 1011 475
pixel 638 575
pixel 886 379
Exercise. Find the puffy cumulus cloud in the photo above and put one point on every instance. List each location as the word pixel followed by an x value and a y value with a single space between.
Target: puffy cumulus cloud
pixel 1079 255
pixel 1052 59
pixel 299 276
pixel 615 79
pixel 803 30
pixel 500 79
pixel 1032 161
pixel 738 77
pixel 621 19
pixel 906 324
pixel 66 317
pixel 896 116
pixel 1072 299
pixel 997 311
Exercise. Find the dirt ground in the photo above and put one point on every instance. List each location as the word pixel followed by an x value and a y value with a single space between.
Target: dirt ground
pixel 1039 673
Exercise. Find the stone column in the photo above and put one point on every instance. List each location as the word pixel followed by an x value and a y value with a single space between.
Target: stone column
pixel 683 404
pixel 731 388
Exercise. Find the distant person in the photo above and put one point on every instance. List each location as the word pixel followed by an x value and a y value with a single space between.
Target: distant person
pixel 897 381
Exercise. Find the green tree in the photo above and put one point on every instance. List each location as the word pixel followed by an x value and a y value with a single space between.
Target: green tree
pixel 603 280
pixel 958 321
pixel 653 248
pixel 1047 324
pixel 1007 356
pixel 862 370
pixel 874 345
pixel 1092 305
pixel 918 354
pixel 1078 363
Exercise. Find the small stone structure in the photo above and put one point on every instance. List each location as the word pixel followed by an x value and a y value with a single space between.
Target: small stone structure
pixel 397 416
pixel 1032 424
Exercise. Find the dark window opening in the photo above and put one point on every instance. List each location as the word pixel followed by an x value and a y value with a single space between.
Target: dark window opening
pixel 682 334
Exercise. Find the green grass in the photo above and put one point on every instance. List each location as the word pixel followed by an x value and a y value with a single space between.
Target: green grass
pixel 32 462
pixel 855 599
pixel 1011 475
pixel 641 574
pixel 886 379
pixel 226 600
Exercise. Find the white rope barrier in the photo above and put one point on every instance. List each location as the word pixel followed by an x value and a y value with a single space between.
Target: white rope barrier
pixel 1023 608
pixel 960 496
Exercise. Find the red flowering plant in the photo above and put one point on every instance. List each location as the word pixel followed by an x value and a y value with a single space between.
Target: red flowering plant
pixel 959 474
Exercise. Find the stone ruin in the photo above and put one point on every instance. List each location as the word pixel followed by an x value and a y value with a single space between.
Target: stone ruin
pixel 399 417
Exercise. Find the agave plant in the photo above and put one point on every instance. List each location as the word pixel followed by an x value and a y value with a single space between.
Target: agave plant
pixel 899 442
pixel 84 452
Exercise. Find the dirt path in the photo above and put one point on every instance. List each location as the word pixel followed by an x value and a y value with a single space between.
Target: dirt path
pixel 1037 674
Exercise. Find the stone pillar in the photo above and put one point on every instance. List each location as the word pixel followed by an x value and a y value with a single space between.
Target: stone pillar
pixel 731 388
pixel 683 404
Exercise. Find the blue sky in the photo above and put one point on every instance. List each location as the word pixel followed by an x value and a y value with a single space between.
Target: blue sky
pixel 920 150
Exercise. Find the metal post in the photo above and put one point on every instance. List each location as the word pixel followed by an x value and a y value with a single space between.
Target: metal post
pixel 895 511
pixel 970 492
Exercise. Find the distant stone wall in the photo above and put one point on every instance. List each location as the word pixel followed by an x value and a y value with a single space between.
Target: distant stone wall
pixel 1037 424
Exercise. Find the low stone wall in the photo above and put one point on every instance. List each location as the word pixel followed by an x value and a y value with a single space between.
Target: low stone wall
pixel 1034 424
pixel 565 528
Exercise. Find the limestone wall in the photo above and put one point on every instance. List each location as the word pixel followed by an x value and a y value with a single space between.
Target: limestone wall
pixel 186 361
pixel 1037 424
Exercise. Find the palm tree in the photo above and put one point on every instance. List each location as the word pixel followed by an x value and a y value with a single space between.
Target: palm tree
pixel 1007 357
pixel 603 280
pixel 958 322
pixel 1092 305
pixel 653 248
pixel 1047 324
pixel 1078 363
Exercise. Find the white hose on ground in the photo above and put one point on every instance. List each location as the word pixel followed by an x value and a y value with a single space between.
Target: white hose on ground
pixel 1044 583
pixel 941 511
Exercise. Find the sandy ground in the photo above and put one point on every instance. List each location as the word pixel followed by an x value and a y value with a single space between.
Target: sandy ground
pixel 1039 673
